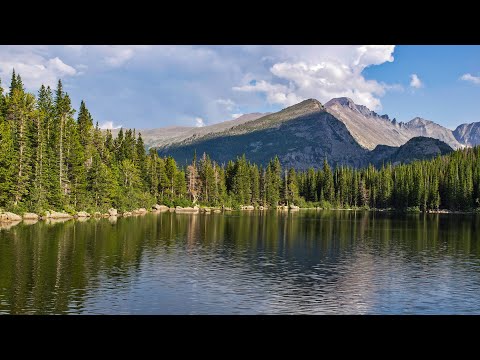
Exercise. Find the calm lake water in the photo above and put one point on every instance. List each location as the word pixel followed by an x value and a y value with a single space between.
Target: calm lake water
pixel 306 262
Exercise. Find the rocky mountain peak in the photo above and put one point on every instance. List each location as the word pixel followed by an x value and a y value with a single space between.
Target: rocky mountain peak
pixel 302 108
pixel 346 102
pixel 342 101
pixel 309 104
pixel 468 134
pixel 419 121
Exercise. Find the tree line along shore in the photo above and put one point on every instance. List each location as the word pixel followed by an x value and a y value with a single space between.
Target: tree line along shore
pixel 54 161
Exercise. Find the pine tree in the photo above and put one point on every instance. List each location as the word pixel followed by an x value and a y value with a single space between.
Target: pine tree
pixel 171 174
pixel 292 187
pixel 13 83
pixel 152 175
pixel 20 112
pixel 85 125
pixel 221 185
pixel 207 177
pixel 255 184
pixel 328 188
pixel 75 159
pixel 241 188
pixel 273 182
pixel 140 156
pixel 63 113
pixel 7 162
pixel 263 186
pixel 119 147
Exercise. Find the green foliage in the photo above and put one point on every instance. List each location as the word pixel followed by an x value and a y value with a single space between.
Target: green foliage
pixel 326 205
pixel 50 160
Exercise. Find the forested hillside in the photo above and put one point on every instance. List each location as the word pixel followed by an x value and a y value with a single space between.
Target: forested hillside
pixel 52 157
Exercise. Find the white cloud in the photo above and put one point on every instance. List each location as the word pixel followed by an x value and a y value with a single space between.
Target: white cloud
pixel 227 103
pixel 236 116
pixel 34 66
pixel 174 84
pixel 415 81
pixel 109 125
pixel 60 67
pixel 324 72
pixel 276 93
pixel 471 78
pixel 117 55
pixel 199 122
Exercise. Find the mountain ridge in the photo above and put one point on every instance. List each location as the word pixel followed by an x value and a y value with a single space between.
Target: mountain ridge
pixel 303 134
pixel 469 134
pixel 371 129
pixel 164 136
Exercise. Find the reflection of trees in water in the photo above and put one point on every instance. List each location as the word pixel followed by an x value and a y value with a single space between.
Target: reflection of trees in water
pixel 54 267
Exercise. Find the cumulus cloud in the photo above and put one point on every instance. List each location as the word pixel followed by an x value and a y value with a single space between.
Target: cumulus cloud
pixel 34 66
pixel 470 78
pixel 199 122
pixel 60 67
pixel 276 93
pixel 109 125
pixel 415 81
pixel 324 73
pixel 172 85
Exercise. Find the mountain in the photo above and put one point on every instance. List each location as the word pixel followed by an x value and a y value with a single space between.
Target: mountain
pixel 371 129
pixel 417 148
pixel 468 134
pixel 367 127
pixel 160 137
pixel 301 135
pixel 422 127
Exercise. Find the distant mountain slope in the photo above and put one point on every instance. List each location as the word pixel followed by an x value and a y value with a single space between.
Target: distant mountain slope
pixel 301 135
pixel 417 148
pixel 170 135
pixel 423 127
pixel 371 129
pixel 367 127
pixel 468 134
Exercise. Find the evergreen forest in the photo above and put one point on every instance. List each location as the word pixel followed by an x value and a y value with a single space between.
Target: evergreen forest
pixel 54 157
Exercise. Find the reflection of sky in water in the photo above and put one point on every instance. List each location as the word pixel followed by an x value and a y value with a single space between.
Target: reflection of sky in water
pixel 307 262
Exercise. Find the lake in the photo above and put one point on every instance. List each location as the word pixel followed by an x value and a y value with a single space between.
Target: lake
pixel 304 262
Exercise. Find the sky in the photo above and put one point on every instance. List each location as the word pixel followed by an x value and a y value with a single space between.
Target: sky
pixel 155 86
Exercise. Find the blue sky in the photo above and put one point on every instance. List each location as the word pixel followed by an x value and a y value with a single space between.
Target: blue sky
pixel 155 86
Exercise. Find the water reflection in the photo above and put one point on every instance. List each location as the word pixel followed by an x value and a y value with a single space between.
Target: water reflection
pixel 251 262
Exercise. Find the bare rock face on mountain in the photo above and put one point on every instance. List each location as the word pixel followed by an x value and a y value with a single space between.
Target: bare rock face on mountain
pixel 468 134
pixel 422 127
pixel 371 129
pixel 301 135
pixel 367 127
pixel 160 137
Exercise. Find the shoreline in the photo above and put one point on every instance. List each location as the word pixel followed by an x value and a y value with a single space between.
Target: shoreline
pixel 8 218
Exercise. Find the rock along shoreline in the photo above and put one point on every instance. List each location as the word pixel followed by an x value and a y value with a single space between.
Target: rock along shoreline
pixel 9 219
